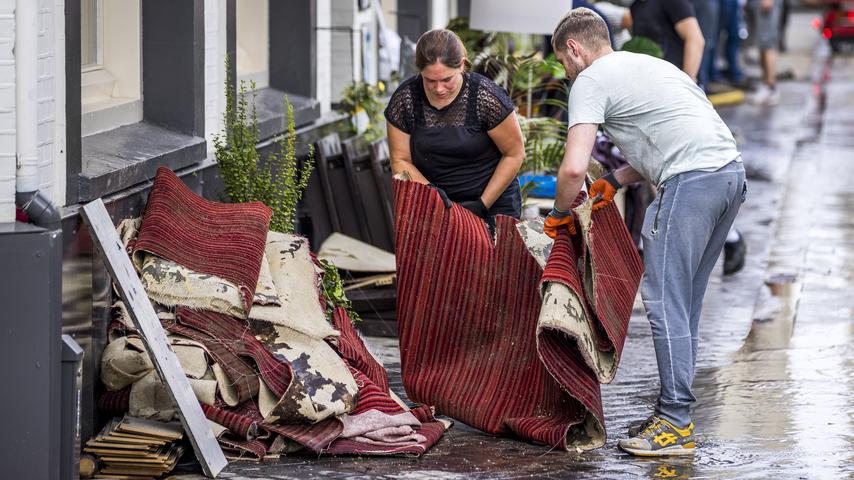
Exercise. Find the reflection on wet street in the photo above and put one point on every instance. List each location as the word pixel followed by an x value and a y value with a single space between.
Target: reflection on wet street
pixel 775 380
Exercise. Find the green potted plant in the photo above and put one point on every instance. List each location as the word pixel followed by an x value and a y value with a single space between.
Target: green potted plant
pixel 362 102
pixel 279 181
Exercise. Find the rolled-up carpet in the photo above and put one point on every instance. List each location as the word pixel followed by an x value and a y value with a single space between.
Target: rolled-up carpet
pixel 601 270
pixel 468 310
pixel 226 240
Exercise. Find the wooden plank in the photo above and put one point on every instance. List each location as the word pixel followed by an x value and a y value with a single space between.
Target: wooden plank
pixel 150 428
pixel 144 318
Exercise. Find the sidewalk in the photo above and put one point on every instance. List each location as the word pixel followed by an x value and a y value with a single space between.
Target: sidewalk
pixel 774 385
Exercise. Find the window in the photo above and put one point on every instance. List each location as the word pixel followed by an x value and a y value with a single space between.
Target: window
pixel 90 34
pixel 132 54
pixel 110 64
pixel 253 50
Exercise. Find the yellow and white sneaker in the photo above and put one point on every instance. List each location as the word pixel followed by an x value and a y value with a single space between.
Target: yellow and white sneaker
pixel 660 438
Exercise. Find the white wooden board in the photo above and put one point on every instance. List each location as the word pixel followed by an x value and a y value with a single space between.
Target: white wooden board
pixel 355 255
pixel 118 263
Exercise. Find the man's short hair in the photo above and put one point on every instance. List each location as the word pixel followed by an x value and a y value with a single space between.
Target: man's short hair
pixel 585 26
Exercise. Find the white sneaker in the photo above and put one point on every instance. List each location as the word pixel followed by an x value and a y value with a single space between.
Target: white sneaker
pixel 765 96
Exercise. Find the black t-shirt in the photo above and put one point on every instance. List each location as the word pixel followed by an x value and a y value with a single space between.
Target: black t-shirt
pixel 655 19
pixel 450 146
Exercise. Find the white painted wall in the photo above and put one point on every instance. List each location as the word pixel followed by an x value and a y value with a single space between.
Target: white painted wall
pixel 111 94
pixel 389 8
pixel 253 42
pixel 215 52
pixel 439 13
pixel 343 47
pixel 7 111
pixel 46 94
pixel 59 162
pixel 122 52
pixel 323 52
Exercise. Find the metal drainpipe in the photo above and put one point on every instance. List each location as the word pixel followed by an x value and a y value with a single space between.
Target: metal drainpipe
pixel 27 195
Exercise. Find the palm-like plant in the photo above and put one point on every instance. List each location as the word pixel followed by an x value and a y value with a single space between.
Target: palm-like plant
pixel 527 78
pixel 545 142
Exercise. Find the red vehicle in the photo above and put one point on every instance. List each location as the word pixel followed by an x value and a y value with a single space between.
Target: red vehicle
pixel 838 27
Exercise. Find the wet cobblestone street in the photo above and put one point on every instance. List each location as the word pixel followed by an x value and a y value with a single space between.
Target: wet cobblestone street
pixel 774 387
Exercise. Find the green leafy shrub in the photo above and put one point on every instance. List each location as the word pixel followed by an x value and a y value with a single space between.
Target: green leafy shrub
pixel 645 45
pixel 279 181
pixel 333 291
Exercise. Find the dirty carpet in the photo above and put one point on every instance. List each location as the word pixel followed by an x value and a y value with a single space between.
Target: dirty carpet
pixel 472 340
pixel 281 380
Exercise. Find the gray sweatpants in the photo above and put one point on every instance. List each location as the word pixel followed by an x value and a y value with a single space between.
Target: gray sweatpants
pixel 684 231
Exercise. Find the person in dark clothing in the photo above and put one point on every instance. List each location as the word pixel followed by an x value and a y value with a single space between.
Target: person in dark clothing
pixel 456 131
pixel 672 24
pixel 708 13
pixel 732 26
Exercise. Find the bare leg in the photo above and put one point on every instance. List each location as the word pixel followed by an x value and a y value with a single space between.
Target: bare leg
pixel 769 66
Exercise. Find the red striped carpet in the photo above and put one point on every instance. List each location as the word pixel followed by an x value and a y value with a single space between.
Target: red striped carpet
pixel 374 394
pixel 234 335
pixel 226 240
pixel 231 342
pixel 609 277
pixel 467 320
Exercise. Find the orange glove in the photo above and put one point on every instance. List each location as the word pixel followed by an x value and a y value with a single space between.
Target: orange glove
pixel 556 220
pixel 604 189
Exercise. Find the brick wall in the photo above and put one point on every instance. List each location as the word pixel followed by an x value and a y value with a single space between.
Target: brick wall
pixel 46 94
pixel 7 110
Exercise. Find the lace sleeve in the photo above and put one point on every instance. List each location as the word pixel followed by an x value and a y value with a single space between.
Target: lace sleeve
pixel 399 111
pixel 493 104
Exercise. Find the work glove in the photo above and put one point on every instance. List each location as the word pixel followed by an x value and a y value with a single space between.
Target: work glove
pixel 556 220
pixel 603 190
pixel 476 207
pixel 444 196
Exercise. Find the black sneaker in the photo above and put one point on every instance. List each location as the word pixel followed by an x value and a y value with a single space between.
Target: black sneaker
pixel 734 255
pixel 636 427
pixel 660 438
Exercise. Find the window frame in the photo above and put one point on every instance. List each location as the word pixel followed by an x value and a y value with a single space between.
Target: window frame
pixel 119 69
pixel 99 25
pixel 171 130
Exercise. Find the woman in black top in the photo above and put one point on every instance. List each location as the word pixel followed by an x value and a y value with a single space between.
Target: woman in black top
pixel 456 130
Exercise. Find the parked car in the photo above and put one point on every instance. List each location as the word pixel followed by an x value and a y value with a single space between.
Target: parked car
pixel 838 27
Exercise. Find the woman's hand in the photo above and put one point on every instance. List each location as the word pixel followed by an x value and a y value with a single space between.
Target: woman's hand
pixel 476 207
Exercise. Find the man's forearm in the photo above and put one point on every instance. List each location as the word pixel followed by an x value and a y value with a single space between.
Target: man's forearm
pixel 569 186
pixel 573 170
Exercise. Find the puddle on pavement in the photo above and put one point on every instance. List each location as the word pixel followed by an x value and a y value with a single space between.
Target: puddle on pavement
pixel 786 402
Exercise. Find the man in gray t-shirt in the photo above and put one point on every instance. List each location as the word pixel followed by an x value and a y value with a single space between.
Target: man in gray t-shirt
pixel 672 137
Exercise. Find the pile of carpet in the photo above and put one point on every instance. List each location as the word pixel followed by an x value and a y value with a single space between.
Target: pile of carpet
pixel 512 334
pixel 275 372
